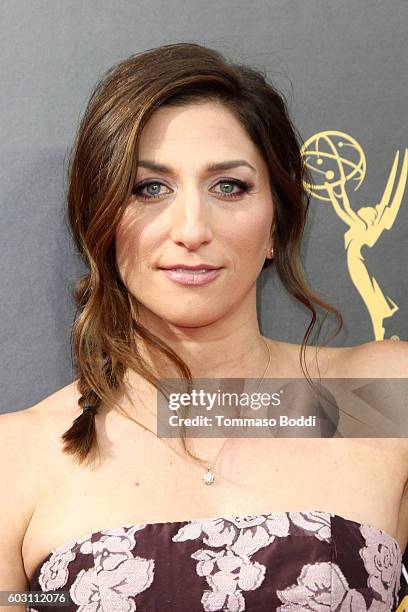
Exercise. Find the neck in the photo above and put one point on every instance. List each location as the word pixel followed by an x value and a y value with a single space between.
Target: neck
pixel 229 347
pixel 242 355
pixel 229 354
pixel 232 348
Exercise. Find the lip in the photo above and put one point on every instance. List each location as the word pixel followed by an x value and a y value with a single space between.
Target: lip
pixel 190 278
pixel 187 267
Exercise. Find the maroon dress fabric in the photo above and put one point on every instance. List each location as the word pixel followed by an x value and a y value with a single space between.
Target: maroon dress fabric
pixel 283 561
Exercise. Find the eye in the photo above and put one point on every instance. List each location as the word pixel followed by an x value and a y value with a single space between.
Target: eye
pixel 229 184
pixel 154 192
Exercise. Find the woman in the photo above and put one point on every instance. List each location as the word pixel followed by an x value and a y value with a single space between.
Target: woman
pixel 183 160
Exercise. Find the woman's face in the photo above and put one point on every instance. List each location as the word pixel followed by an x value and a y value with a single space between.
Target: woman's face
pixel 185 213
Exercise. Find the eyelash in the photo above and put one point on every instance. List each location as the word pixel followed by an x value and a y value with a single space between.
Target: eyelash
pixel 244 188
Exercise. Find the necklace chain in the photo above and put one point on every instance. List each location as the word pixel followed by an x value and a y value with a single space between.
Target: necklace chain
pixel 208 477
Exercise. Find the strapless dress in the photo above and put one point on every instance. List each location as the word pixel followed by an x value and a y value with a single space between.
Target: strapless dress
pixel 282 561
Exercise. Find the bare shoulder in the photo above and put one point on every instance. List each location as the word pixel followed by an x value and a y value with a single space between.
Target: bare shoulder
pixel 26 435
pixel 58 409
pixel 376 359
pixel 380 359
pixel 16 463
pixel 27 439
pixel 17 430
pixel 60 404
pixel 16 493
pixel 319 360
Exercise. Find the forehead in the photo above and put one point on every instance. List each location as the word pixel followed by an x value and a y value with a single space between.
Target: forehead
pixel 193 131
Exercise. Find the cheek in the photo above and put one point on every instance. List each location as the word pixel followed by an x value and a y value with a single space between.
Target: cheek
pixel 248 235
pixel 133 244
pixel 127 259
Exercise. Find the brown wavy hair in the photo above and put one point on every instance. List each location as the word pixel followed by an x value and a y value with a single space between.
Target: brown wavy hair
pixel 101 175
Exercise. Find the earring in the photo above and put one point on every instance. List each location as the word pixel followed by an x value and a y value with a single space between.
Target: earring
pixel 269 253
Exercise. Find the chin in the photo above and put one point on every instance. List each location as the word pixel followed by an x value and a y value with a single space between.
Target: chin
pixel 191 317
pixel 191 322
pixel 187 316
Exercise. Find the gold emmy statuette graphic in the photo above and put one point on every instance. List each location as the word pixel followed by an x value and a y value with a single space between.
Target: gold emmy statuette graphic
pixel 336 159
pixel 403 606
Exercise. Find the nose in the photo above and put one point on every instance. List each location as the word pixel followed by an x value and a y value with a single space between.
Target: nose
pixel 190 225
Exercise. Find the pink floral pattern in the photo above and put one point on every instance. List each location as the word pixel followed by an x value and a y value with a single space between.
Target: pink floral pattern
pixel 282 561
pixel 54 573
pixel 317 522
pixel 383 563
pixel 321 586
pixel 230 571
pixel 115 576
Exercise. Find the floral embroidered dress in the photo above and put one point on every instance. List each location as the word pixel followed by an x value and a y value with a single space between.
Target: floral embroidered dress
pixel 283 561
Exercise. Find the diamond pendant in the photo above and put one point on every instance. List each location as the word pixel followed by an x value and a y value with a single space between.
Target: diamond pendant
pixel 208 477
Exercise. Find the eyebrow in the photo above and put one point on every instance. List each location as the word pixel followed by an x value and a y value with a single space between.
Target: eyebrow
pixel 214 167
